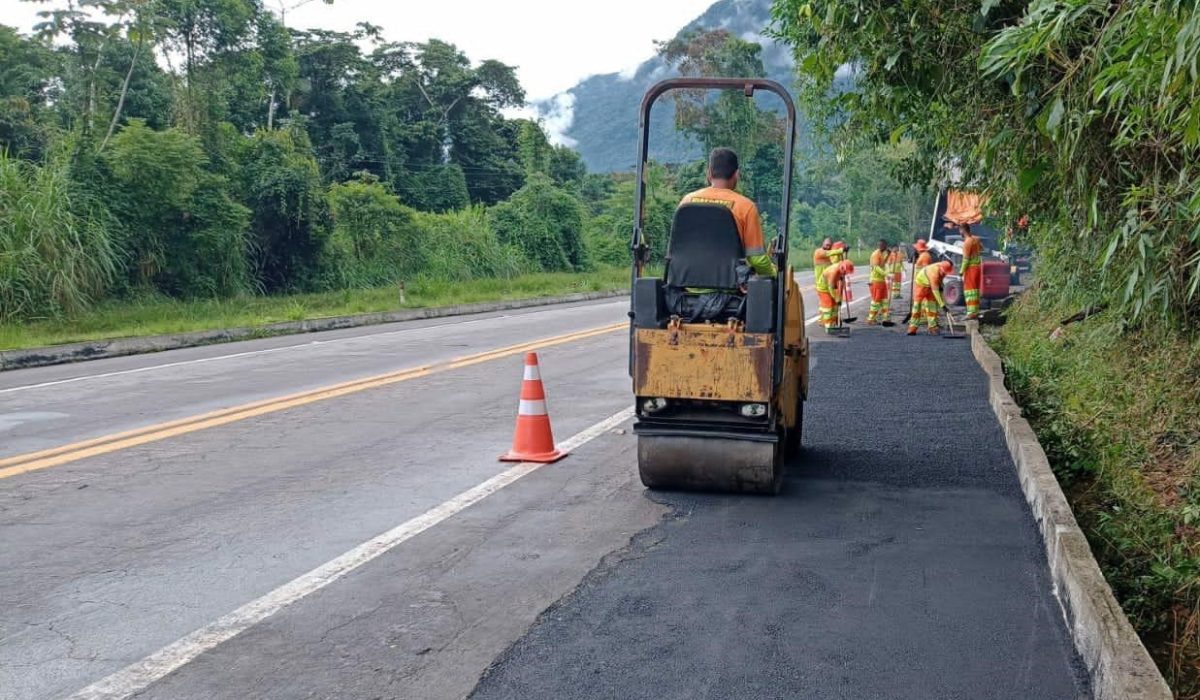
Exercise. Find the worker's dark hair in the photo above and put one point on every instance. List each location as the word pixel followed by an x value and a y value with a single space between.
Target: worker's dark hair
pixel 722 163
pixel 884 242
pixel 965 227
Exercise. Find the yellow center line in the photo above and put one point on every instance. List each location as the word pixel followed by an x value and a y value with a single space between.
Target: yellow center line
pixel 55 456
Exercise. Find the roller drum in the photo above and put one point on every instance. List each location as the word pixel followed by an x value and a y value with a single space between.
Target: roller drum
pixel 710 464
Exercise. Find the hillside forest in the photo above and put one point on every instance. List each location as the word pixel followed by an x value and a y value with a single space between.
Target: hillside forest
pixel 202 148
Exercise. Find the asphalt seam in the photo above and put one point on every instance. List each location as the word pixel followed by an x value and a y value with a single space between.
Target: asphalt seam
pixel 136 677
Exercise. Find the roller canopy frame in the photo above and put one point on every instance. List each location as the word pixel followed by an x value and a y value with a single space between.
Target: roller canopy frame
pixel 638 245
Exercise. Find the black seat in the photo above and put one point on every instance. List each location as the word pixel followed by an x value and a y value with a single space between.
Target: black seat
pixel 705 252
pixel 705 248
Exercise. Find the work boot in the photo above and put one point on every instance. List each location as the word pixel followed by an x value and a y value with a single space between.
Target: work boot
pixel 912 330
pixel 933 331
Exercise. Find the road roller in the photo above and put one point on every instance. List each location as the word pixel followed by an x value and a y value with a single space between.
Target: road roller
pixel 718 356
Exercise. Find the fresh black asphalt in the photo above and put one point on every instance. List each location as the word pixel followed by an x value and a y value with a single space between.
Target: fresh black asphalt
pixel 900 562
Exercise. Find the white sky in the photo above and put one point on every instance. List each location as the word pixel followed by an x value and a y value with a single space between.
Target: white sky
pixel 553 43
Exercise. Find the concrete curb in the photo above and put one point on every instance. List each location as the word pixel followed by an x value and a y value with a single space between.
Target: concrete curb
pixel 118 347
pixel 1118 663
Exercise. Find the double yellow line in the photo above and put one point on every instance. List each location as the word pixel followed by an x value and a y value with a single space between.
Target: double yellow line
pixel 43 459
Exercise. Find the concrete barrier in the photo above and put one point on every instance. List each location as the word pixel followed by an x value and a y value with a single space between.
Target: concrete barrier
pixel 1118 663
pixel 117 347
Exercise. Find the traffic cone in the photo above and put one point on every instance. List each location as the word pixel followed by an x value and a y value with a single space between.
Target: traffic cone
pixel 532 440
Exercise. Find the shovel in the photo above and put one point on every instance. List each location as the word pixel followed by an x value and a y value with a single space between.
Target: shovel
pixel 848 318
pixel 952 334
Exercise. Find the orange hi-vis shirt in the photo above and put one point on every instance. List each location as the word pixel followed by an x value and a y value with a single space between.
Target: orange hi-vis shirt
pixel 749 225
pixel 924 259
pixel 831 282
pixel 878 265
pixel 821 258
pixel 972 249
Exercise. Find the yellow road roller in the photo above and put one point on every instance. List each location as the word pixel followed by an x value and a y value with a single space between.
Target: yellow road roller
pixel 718 357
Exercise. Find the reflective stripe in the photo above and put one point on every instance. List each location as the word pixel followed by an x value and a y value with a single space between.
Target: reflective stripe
pixel 531 372
pixel 531 408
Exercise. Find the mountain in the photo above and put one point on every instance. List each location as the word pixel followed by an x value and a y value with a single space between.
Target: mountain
pixel 598 116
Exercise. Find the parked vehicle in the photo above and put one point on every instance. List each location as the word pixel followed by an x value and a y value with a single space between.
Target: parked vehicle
pixel 945 243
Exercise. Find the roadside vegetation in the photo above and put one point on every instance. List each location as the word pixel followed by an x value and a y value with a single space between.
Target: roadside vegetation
pixel 1080 121
pixel 158 314
pixel 168 165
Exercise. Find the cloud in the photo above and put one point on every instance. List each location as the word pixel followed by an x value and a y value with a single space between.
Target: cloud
pixel 557 115
pixel 629 73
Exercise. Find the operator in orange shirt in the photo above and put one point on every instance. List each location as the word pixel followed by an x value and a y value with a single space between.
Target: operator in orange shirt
pixel 971 270
pixel 722 182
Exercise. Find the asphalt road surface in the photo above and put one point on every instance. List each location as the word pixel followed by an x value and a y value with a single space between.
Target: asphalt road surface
pixel 323 516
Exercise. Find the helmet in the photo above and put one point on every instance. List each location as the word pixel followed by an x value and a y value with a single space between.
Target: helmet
pixel 947 267
pixel 847 267
pixel 920 245
pixel 840 245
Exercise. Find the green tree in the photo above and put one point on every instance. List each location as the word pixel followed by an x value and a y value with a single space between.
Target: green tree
pixel 27 71
pixel 181 231
pixel 544 223
pixel 280 182
pixel 375 237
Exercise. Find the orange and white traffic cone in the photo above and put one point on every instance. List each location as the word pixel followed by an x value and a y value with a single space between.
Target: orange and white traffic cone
pixel 532 440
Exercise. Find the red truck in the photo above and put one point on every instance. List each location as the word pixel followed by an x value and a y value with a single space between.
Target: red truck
pixel 945 244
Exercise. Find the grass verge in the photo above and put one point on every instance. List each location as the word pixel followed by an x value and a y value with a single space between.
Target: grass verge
pixel 1119 416
pixel 160 315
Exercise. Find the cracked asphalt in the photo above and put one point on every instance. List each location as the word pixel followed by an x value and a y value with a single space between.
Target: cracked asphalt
pixel 900 561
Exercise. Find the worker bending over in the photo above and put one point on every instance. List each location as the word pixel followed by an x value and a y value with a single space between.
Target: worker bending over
pixel 881 305
pixel 821 259
pixel 927 296
pixel 830 287
pixel 722 177
pixel 895 263
pixel 971 270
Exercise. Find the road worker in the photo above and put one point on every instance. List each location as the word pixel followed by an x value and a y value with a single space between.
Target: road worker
pixel 837 253
pixel 971 270
pixel 881 305
pixel 924 258
pixel 830 286
pixel 895 263
pixel 722 176
pixel 927 296
pixel 821 259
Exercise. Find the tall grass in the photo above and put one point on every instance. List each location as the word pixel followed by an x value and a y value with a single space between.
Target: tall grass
pixel 1118 416
pixel 56 256
pixel 460 245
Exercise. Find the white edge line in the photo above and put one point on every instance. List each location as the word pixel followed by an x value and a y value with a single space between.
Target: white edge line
pixel 137 676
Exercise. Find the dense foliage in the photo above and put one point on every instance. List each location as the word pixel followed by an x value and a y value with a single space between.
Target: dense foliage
pixel 1080 117
pixel 201 148
pixel 1080 114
